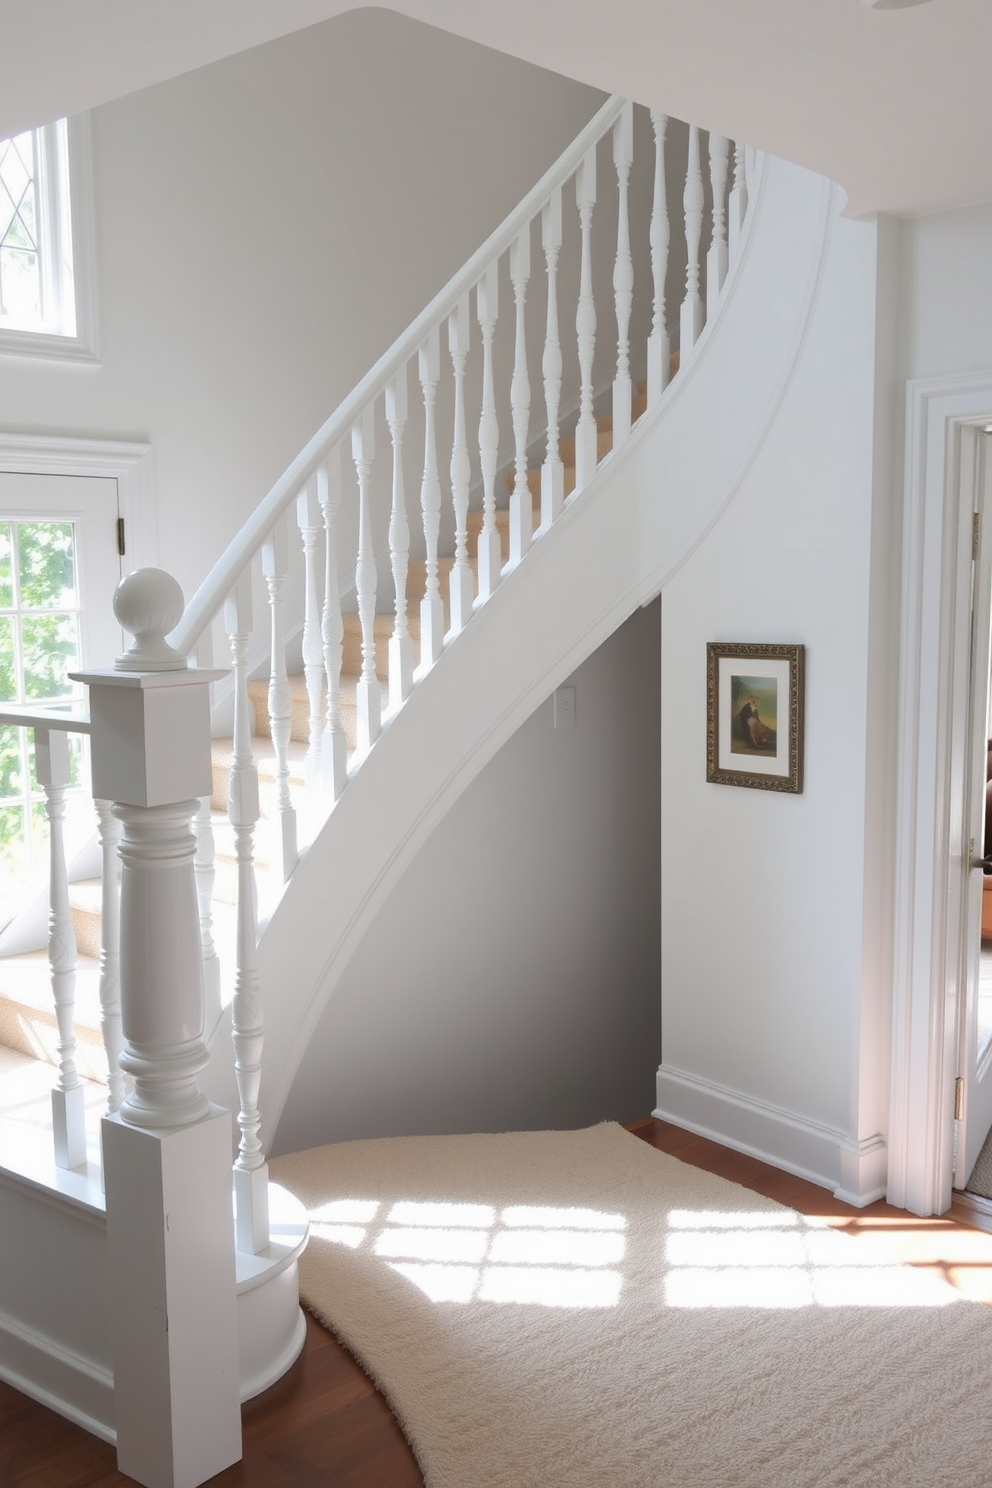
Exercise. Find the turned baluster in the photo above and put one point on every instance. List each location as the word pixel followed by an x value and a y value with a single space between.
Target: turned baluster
pixel 460 583
pixel 110 952
pixel 691 320
pixel 716 257
pixel 334 749
pixel 623 274
pixel 368 692
pixel 274 566
pixel 51 747
pixel 658 343
pixel 490 556
pixel 552 471
pixel 586 453
pixel 737 206
pixel 521 503
pixel 309 521
pixel 400 642
pixel 204 871
pixel 431 606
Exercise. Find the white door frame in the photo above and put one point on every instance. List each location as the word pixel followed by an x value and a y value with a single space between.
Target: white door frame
pixel 943 423
pixel 130 464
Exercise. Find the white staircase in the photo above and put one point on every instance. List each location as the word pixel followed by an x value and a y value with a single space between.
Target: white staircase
pixel 399 653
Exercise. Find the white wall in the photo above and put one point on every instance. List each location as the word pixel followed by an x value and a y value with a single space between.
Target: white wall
pixel 265 227
pixel 762 893
pixel 511 978
pixel 946 292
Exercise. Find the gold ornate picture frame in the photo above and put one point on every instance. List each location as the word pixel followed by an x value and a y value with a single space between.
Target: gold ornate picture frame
pixel 754 715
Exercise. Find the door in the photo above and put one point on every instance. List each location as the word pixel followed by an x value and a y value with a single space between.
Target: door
pixel 974 1105
pixel 59 566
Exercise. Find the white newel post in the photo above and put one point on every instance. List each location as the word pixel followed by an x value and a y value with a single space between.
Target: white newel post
pixel 167 1151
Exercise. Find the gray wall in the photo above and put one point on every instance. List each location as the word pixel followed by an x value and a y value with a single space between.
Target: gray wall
pixel 511 980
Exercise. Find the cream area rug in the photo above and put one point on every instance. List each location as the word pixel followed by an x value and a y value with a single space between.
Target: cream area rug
pixel 578 1310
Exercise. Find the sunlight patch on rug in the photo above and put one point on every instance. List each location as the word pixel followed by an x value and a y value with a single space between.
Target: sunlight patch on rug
pixel 578 1310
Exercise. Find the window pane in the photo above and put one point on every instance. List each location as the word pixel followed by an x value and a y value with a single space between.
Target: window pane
pixel 8 661
pixel 6 568
pixel 51 646
pixel 46 562
pixel 13 854
pixel 11 762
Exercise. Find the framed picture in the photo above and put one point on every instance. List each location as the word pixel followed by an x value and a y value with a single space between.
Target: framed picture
pixel 754 715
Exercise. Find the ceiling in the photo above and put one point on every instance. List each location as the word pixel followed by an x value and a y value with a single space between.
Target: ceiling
pixel 895 105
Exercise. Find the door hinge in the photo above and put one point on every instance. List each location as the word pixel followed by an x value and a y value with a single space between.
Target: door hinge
pixel 959 1098
pixel 120 537
pixel 976 534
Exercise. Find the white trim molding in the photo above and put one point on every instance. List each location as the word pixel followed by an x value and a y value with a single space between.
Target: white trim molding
pixel 130 464
pixel 854 1171
pixel 944 418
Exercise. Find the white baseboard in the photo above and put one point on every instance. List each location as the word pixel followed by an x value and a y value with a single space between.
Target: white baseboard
pixel 854 1171
pixel 77 1388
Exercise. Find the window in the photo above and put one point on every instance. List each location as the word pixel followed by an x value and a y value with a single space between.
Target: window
pixel 45 262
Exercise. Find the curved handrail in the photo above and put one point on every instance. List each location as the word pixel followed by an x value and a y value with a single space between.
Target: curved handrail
pixel 218 583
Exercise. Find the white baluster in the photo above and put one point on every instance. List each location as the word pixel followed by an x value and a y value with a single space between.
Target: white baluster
pixel 274 565
pixel 586 454
pixel 250 1185
pixel 490 555
pixel 521 503
pixel 400 642
pixel 737 206
pixel 623 274
pixel 110 952
pixel 716 257
pixel 691 321
pixel 552 471
pixel 431 606
pixel 203 868
pixel 309 521
pixel 368 692
pixel 658 344
pixel 334 750
pixel 460 582
pixel 68 1107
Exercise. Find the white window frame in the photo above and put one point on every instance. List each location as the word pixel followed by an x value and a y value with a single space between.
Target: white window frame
pixel 66 246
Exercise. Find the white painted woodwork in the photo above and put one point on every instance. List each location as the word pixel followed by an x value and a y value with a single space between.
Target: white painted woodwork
pixel 585 326
pixel 205 873
pixel 400 642
pixel 334 749
pixel 310 523
pixel 431 606
pixel 246 1012
pixel 110 949
pixel 368 691
pixel 489 552
pixel 716 257
pixel 275 562
pixel 460 588
pixel 553 470
pixel 174 1311
pixel 623 274
pixel 692 316
pixel 737 204
pixel 659 349
pixel 521 505
pixel 52 768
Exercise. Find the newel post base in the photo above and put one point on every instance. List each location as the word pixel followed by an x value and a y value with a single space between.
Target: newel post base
pixel 170 1255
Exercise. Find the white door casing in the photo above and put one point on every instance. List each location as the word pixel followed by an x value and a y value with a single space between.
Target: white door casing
pixel 945 419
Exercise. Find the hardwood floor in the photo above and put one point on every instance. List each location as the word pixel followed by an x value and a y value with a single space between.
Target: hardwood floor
pixel 324 1423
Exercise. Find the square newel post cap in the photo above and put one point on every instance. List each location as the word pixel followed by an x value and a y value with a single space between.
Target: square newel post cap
pixel 150 712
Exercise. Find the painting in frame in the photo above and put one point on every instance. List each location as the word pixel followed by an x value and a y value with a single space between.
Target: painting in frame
pixel 754 715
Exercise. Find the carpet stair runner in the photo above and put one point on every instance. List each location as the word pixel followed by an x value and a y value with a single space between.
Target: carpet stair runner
pixel 27 1019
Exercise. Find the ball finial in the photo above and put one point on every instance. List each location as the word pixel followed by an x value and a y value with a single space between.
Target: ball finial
pixel 149 603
